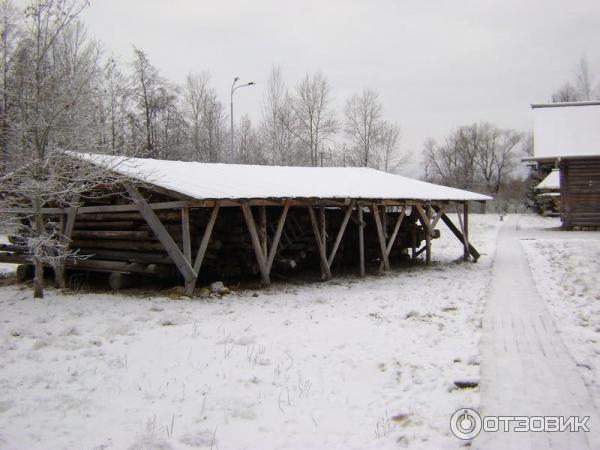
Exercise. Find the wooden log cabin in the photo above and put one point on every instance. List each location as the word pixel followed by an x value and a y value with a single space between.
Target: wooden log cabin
pixel 197 221
pixel 567 137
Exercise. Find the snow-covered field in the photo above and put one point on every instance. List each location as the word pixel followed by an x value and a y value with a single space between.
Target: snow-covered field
pixel 345 364
pixel 567 275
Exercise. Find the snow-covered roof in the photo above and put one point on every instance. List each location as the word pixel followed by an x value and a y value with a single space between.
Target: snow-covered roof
pixel 235 181
pixel 566 130
pixel 552 181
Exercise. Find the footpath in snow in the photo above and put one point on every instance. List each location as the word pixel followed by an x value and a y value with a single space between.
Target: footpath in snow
pixel 526 368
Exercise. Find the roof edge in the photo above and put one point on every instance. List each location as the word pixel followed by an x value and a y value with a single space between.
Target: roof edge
pixel 564 104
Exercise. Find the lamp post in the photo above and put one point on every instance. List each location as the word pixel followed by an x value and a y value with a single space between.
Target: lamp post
pixel 233 89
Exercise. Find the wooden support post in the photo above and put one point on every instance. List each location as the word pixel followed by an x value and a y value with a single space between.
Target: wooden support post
pixel 413 236
pixel 325 271
pixel 466 231
pixel 262 228
pixel 204 245
pixel 361 239
pixel 392 239
pixel 260 257
pixel 439 212
pixel 323 232
pixel 60 269
pixel 184 266
pixel 472 251
pixel 428 236
pixel 185 234
pixel 381 236
pixel 340 234
pixel 277 237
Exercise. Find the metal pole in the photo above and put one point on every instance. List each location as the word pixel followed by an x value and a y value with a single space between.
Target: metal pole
pixel 231 149
pixel 233 89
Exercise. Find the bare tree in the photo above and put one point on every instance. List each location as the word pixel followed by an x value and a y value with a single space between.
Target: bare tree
pixel 363 125
pixel 114 107
pixel 478 154
pixel 495 153
pixel 453 162
pixel 584 81
pixel 249 146
pixel 581 88
pixel 388 155
pixel 8 37
pixel 314 119
pixel 277 125
pixel 155 99
pixel 195 95
pixel 53 93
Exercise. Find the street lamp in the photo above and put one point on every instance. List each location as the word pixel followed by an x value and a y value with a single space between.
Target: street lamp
pixel 233 89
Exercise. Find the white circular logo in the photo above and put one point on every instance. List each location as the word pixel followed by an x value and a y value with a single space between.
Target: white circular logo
pixel 465 423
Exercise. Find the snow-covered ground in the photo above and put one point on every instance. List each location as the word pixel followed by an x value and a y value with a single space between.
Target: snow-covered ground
pixel 346 364
pixel 566 270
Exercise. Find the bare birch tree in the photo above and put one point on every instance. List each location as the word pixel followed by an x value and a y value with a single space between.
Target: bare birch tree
pixel 314 119
pixel 53 92
pixel 278 121
pixel 363 125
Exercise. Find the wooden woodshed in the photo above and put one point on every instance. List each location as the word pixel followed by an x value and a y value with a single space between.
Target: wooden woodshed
pixel 567 137
pixel 194 221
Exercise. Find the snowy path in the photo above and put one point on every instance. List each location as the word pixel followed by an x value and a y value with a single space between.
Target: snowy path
pixel 526 368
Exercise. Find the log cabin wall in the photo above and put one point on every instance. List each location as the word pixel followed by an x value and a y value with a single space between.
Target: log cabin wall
pixel 580 192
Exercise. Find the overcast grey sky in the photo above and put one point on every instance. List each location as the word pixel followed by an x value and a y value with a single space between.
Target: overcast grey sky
pixel 435 64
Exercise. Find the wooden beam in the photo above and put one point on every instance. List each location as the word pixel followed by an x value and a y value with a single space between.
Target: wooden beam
pixel 392 239
pixel 439 212
pixel 326 272
pixel 184 266
pixel 323 234
pixel 185 234
pixel 428 236
pixel 66 239
pixel 340 234
pixel 381 236
pixel 260 257
pixel 277 236
pixel 472 251
pixel 262 228
pixel 413 235
pixel 361 239
pixel 466 230
pixel 206 238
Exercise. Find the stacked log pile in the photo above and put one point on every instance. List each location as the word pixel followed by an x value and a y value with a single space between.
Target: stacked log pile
pixel 122 242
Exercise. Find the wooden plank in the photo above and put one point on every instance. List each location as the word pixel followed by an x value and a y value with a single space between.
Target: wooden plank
pixel 260 257
pixel 326 272
pixel 340 235
pixel 381 236
pixel 185 234
pixel 184 266
pixel 361 239
pixel 277 236
pixel 472 250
